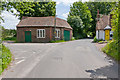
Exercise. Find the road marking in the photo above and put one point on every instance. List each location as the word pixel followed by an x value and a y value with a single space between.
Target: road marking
pixel 20 61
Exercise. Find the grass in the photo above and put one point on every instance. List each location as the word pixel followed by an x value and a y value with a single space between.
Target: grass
pixel 57 41
pixel 111 49
pixel 5 58
pixel 101 42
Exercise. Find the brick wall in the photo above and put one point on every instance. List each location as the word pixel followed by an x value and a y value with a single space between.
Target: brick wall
pixel 48 36
pixel 21 34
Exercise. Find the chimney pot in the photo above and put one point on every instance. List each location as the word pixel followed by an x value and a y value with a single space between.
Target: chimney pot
pixel 24 17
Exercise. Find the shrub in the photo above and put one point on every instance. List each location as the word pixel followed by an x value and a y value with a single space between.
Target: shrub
pixel 97 40
pixel 10 38
pixel 5 58
pixel 111 49
pixel 73 38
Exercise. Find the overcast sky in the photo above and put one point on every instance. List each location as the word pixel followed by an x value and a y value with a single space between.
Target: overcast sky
pixel 62 9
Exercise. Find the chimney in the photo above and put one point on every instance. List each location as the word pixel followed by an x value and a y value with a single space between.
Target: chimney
pixel 98 15
pixel 24 17
pixel 97 11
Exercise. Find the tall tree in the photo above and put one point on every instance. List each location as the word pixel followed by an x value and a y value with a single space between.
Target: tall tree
pixel 77 25
pixel 32 9
pixel 104 8
pixel 80 9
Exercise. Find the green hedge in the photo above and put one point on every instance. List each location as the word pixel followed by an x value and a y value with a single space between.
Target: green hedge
pixel 5 58
pixel 111 49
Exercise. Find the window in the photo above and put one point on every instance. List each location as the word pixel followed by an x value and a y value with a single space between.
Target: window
pixel 40 33
pixel 57 33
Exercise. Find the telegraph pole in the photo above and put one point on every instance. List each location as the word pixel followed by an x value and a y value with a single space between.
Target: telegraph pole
pixel 54 27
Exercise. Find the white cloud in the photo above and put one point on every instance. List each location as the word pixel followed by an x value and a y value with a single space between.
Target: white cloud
pixel 65 15
pixel 68 2
pixel 10 20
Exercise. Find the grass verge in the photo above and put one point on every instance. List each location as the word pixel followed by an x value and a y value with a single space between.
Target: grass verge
pixel 5 58
pixel 111 49
pixel 57 41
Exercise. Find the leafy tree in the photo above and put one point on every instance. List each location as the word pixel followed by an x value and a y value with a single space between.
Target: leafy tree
pixel 115 23
pixel 116 27
pixel 113 47
pixel 104 8
pixel 119 30
pixel 77 25
pixel 32 9
pixel 80 9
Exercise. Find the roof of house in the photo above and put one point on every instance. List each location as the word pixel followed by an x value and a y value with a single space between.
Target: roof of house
pixel 103 22
pixel 42 22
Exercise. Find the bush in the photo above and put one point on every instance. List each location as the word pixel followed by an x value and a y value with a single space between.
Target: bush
pixel 111 49
pixel 10 39
pixel 5 58
pixel 97 40
pixel 73 38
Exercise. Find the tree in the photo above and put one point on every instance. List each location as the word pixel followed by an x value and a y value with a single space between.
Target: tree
pixel 80 9
pixel 113 47
pixel 32 9
pixel 104 8
pixel 116 29
pixel 77 25
pixel 115 23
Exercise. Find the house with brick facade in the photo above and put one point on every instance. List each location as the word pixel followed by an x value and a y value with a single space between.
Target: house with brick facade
pixel 103 27
pixel 43 29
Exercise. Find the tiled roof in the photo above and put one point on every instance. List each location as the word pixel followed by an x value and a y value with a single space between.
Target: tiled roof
pixel 43 21
pixel 103 22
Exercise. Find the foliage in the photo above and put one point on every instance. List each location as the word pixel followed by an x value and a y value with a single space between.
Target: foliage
pixel 119 30
pixel 115 23
pixel 57 41
pixel 104 8
pixel 111 49
pixel 8 33
pixel 97 40
pixel 32 9
pixel 73 39
pixel 5 58
pixel 80 11
pixel 77 25
pixel 10 39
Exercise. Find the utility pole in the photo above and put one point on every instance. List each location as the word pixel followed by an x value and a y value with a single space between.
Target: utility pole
pixel 55 25
pixel 55 28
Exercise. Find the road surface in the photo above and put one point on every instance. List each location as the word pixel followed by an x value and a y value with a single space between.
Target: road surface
pixel 73 59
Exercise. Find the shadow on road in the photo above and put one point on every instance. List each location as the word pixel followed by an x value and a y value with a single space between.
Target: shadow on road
pixel 110 71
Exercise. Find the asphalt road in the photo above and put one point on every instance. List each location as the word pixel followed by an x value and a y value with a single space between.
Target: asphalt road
pixel 73 59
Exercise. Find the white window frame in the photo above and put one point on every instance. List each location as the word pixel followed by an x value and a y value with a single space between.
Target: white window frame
pixel 57 30
pixel 42 33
